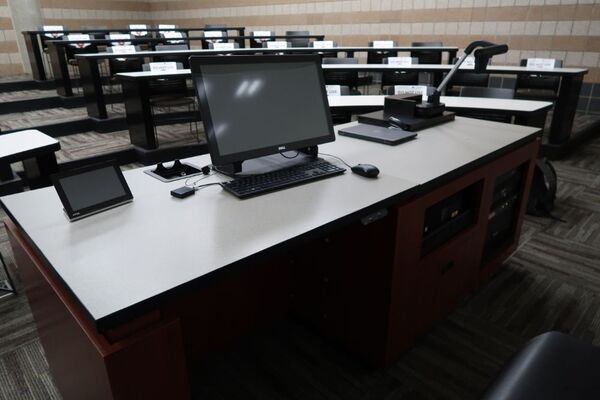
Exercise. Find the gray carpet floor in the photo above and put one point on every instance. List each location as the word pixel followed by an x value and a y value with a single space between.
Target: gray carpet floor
pixel 551 282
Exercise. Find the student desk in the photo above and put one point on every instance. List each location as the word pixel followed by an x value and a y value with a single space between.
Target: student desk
pixel 37 152
pixel 125 300
pixel 92 84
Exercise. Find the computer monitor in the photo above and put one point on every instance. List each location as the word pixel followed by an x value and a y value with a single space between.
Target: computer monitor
pixel 255 106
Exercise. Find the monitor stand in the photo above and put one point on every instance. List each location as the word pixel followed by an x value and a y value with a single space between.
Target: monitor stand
pixel 270 163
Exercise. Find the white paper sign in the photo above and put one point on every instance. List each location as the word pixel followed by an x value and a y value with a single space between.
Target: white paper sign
pixel 165 26
pixel 383 44
pixel 163 66
pixel 119 36
pixel 128 49
pixel 140 32
pixel 213 34
pixel 79 36
pixel 411 89
pixel 53 28
pixel 277 45
pixel 469 62
pixel 223 46
pixel 323 44
pixel 541 63
pixel 400 61
pixel 333 90
pixel 261 33
pixel 172 34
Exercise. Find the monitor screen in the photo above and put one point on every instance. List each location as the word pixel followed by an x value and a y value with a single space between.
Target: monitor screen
pixel 254 106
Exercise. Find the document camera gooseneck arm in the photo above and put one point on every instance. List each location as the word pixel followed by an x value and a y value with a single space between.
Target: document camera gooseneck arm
pixel 485 51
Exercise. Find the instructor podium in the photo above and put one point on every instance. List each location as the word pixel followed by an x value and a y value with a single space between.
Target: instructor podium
pixel 120 315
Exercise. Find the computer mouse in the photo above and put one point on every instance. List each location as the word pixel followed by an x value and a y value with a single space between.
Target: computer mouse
pixel 366 170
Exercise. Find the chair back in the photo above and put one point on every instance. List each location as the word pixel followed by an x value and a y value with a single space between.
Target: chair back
pixel 488 92
pixel 300 42
pixel 182 59
pixel 258 43
pixel 496 93
pixel 425 56
pixel 342 78
pixel 119 65
pixel 392 78
pixel 537 81
pixel 163 87
pixel 376 57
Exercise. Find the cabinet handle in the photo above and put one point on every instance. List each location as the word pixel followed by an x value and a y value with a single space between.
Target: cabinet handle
pixel 376 216
pixel 448 267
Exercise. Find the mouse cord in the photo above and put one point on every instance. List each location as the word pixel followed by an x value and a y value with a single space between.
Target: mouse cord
pixel 336 157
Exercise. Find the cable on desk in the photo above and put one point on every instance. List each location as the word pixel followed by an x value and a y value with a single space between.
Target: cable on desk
pixel 337 158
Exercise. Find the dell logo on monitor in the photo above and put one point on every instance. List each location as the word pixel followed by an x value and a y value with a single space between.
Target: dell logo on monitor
pixel 281 148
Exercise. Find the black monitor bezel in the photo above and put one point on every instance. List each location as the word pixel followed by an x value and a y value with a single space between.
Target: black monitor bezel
pixel 76 214
pixel 217 159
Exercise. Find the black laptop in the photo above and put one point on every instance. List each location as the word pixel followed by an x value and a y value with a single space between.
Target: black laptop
pixel 375 133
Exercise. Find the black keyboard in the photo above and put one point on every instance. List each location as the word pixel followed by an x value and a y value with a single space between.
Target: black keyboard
pixel 254 185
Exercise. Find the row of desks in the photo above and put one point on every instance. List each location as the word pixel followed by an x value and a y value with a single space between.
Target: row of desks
pixel 36 41
pixel 136 94
pixel 89 69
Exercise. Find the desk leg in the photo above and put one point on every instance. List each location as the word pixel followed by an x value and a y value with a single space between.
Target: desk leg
pixel 35 56
pixel 39 169
pixel 564 109
pixel 144 363
pixel 58 61
pixel 536 119
pixel 138 113
pixel 91 81
pixel 6 173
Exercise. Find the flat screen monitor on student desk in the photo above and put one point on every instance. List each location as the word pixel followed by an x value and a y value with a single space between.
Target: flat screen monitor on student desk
pixel 256 106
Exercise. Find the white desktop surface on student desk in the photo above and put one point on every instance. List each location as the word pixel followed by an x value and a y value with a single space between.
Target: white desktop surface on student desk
pixel 450 101
pixel 22 141
pixel 124 256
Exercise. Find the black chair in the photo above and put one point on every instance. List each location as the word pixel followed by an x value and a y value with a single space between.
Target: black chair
pixel 425 56
pixel 342 117
pixel 377 57
pixel 258 43
pixel 167 93
pixel 466 79
pixel 214 27
pixel 95 35
pixel 121 65
pixel 49 35
pixel 7 286
pixel 496 93
pixel 140 32
pixel 550 366
pixel 298 42
pixel 325 53
pixel 343 78
pixel 77 48
pixel 183 59
pixel 392 78
pixel 537 87
pixel 177 38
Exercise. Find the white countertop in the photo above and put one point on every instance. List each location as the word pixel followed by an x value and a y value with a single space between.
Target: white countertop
pixel 127 255
pixel 476 103
pixel 23 141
